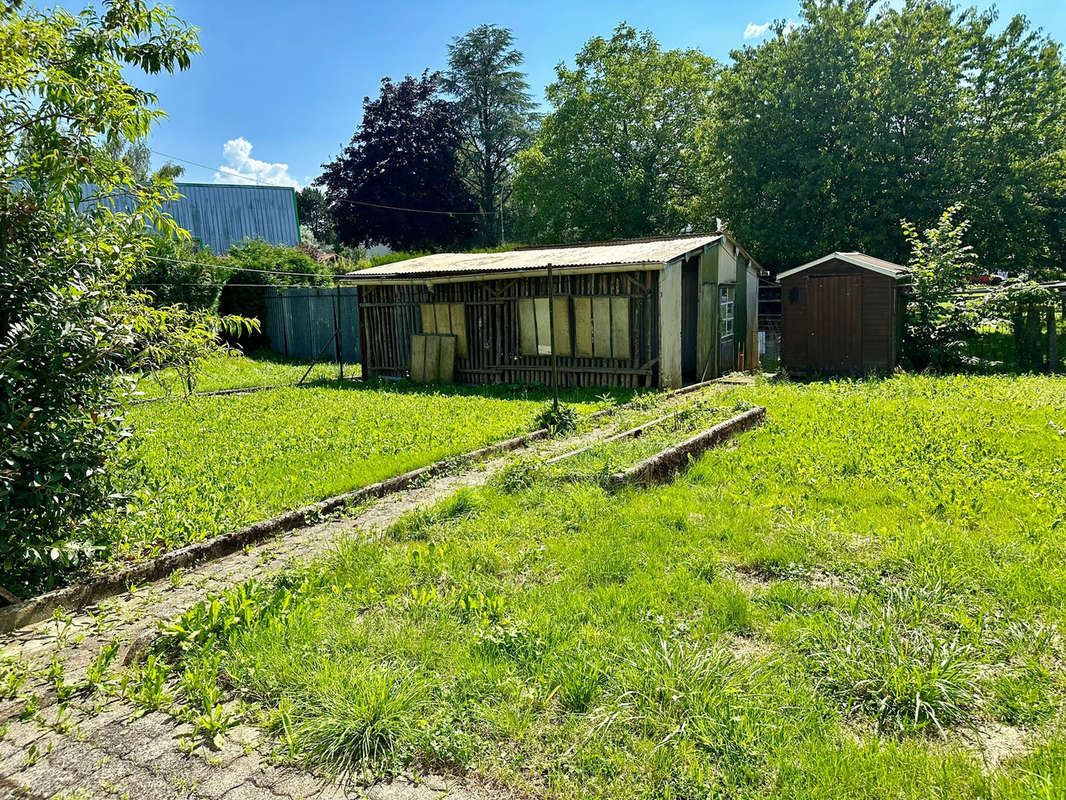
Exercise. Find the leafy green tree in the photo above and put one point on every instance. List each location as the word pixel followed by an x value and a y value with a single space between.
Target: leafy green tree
pixel 617 156
pixel 398 181
pixel 1024 305
pixel 175 272
pixel 70 327
pixel 938 317
pixel 828 132
pixel 496 111
pixel 138 157
pixel 313 211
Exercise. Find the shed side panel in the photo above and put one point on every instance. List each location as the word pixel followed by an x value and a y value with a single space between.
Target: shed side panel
pixel 878 325
pixel 794 328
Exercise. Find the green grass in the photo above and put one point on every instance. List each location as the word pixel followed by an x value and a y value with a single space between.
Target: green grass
pixel 258 368
pixel 827 610
pixel 206 465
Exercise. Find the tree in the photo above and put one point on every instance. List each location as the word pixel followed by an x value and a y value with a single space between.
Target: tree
pixel 405 155
pixel 69 325
pixel 830 131
pixel 137 156
pixel 496 113
pixel 617 155
pixel 313 211
pixel 937 317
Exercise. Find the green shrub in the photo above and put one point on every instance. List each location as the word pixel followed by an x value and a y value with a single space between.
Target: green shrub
pixel 559 420
pixel 251 263
pixel 175 271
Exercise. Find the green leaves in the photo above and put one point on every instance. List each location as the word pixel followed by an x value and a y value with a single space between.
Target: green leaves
pixel 825 135
pixel 67 324
pixel 617 156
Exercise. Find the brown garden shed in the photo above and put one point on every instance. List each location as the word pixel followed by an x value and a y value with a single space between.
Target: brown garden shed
pixel 841 314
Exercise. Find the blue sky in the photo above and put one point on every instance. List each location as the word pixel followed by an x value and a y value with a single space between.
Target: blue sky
pixel 283 82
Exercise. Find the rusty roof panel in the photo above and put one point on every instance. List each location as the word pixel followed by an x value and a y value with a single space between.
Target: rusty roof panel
pixel 654 251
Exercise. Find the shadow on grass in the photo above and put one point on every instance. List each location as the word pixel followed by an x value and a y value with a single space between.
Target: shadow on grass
pixel 500 391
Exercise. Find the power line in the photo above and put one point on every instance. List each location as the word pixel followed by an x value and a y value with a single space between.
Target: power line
pixel 208 265
pixel 258 182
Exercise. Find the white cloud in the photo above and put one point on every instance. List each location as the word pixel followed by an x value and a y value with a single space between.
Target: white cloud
pixel 240 167
pixel 754 31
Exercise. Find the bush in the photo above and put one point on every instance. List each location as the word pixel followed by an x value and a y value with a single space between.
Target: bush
pixel 244 293
pixel 175 271
pixel 560 420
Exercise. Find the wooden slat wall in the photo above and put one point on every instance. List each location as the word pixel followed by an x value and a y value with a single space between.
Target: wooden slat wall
pixel 390 315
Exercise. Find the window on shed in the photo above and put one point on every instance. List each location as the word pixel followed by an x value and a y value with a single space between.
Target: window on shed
pixel 446 318
pixel 726 308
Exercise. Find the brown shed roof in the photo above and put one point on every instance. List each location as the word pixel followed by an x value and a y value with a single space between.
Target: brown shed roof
pixel 598 254
pixel 858 259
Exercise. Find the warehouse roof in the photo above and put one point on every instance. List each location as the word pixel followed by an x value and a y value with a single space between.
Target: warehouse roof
pixel 221 215
pixel 575 256
pixel 878 265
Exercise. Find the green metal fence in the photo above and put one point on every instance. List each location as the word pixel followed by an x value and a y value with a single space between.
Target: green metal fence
pixel 304 323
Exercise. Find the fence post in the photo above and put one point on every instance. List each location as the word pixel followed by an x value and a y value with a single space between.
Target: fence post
pixel 337 326
pixel 1052 340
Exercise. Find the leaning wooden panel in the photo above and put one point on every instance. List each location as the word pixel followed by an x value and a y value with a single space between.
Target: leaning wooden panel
pixel 583 326
pixel 527 327
pixel 433 358
pixel 418 358
pixel 601 327
pixel 561 321
pixel 457 314
pixel 620 327
pixel 540 307
pixel 446 361
pixel 429 318
pixel 444 319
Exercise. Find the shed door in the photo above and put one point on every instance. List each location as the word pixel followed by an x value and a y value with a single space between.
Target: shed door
pixel 835 319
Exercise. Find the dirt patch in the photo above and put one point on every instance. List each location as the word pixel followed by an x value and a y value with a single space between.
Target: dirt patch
pixel 997 743
pixel 749 648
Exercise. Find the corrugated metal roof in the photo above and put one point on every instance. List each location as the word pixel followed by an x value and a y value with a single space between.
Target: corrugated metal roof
pixel 636 251
pixel 221 214
pixel 852 257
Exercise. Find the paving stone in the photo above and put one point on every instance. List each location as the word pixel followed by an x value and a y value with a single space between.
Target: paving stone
pixel 109 772
pixel 22 734
pixel 297 785
pixel 247 791
pixel 219 782
pixel 402 790
pixel 45 779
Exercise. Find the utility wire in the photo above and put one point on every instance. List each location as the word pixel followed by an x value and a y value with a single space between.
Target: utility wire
pixel 207 265
pixel 258 182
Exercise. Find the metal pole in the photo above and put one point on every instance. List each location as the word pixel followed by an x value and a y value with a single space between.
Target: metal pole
pixel 551 340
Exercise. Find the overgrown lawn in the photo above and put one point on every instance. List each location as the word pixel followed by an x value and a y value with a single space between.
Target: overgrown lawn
pixel 203 466
pixel 862 599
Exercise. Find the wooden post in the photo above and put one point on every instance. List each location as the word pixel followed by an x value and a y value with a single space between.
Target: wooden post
pixel 1052 340
pixel 340 342
pixel 551 342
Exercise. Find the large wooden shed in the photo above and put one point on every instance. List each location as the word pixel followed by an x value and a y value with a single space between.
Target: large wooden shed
pixel 841 314
pixel 642 312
